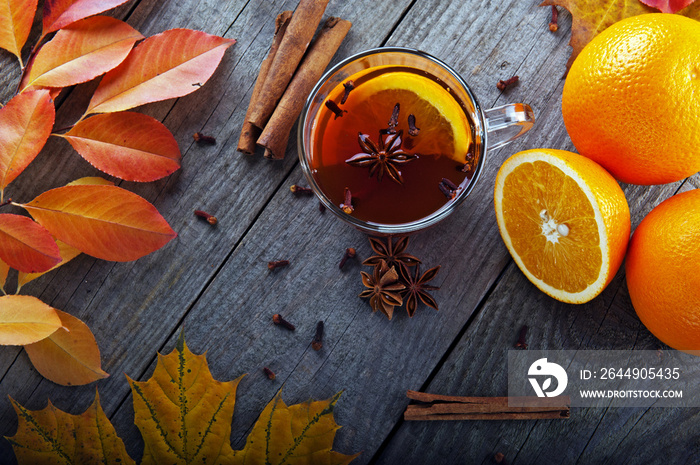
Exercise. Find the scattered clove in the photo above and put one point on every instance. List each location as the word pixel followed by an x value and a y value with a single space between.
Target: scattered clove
pixel 317 342
pixel 502 85
pixel 337 111
pixel 500 458
pixel 300 190
pixel 211 219
pixel 280 321
pixel 269 373
pixel 346 206
pixel 277 264
pixel 350 252
pixel 321 207
pixel 199 137
pixel 349 86
pixel 554 23
pixel 521 344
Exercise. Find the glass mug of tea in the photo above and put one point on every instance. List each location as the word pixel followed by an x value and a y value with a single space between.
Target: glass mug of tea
pixel 392 140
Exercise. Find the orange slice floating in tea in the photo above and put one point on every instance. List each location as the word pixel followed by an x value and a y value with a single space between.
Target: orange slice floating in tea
pixel 444 128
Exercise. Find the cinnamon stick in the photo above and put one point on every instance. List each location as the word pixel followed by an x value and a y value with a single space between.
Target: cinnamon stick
pixel 438 407
pixel 249 131
pixel 296 39
pixel 276 133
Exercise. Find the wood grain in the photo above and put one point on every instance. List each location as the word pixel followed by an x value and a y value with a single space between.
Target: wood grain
pixel 213 282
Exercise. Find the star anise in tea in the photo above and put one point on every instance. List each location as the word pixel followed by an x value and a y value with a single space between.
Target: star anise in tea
pixel 417 288
pixel 385 158
pixel 383 289
pixel 393 253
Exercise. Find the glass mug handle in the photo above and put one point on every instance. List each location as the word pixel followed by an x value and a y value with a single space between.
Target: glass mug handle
pixel 507 122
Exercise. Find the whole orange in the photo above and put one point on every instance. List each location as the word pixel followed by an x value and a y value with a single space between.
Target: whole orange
pixel 662 271
pixel 631 100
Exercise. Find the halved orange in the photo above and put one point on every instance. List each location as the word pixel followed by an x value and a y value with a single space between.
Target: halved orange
pixel 565 221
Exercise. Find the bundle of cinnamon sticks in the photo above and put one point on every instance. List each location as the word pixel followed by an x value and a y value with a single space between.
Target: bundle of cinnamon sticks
pixel 288 74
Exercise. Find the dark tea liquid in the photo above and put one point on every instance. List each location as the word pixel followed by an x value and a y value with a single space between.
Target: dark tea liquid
pixel 442 146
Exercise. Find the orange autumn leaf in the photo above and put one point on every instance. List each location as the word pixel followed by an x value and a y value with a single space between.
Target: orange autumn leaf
pixel 16 18
pixel 131 146
pixel 25 319
pixel 25 245
pixel 67 254
pixel 60 13
pixel 591 17
pixel 25 125
pixel 69 356
pixel 107 222
pixel 167 65
pixel 52 436
pixel 81 52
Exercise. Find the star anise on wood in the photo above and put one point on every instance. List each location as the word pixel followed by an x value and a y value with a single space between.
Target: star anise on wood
pixel 416 288
pixel 383 289
pixel 391 252
pixel 388 157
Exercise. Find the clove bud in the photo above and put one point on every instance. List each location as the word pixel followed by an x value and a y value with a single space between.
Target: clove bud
pixel 317 342
pixel 211 219
pixel 279 320
pixel 350 252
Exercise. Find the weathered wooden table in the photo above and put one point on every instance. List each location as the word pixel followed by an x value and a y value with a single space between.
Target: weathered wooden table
pixel 214 282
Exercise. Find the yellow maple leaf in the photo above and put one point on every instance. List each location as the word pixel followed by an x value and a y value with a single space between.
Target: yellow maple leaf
pixel 183 413
pixel 184 416
pixel 591 17
pixel 51 436
pixel 300 434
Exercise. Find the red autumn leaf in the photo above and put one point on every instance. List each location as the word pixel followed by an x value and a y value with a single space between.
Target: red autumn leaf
pixel 167 65
pixel 25 124
pixel 69 356
pixel 16 18
pixel 82 51
pixel 130 146
pixel 107 222
pixel 26 245
pixel 667 6
pixel 60 13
